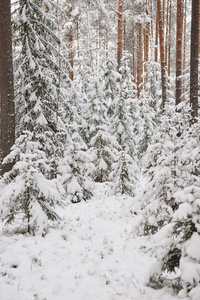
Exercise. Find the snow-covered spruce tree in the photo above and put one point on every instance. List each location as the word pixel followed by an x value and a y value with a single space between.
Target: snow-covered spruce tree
pixel 38 74
pixel 76 163
pixel 75 169
pixel 123 174
pixel 146 122
pixel 163 171
pixel 110 84
pixel 102 146
pixel 79 93
pixel 182 257
pixel 121 127
pixel 39 98
pixel 28 199
pixel 151 86
pixel 121 121
pixel 150 100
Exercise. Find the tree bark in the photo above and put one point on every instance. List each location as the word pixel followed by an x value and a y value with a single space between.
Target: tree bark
pixel 133 56
pixel 163 12
pixel 169 40
pixel 199 34
pixel 124 35
pixel 194 61
pixel 184 48
pixel 70 44
pixel 6 83
pixel 179 45
pixel 120 34
pixel 167 34
pixel 139 60
pixel 162 54
pixel 156 35
pixel 146 48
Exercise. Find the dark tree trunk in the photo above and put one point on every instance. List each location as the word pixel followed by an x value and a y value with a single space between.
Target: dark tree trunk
pixel 162 54
pixel 70 45
pixel 179 46
pixel 194 61
pixel 184 47
pixel 120 34
pixel 7 134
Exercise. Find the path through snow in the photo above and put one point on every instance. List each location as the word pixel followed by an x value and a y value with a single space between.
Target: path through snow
pixel 93 257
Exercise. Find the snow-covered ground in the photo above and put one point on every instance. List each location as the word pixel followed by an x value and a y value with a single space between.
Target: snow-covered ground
pixel 94 255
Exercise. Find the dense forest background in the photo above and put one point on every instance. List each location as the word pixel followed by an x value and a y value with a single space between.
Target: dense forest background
pixel 104 91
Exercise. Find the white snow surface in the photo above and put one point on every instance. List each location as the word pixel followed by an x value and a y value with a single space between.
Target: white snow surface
pixel 93 255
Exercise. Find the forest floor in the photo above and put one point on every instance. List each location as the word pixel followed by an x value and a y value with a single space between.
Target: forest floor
pixel 94 255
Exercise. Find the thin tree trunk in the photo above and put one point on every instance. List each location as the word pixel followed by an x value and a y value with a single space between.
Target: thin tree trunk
pixel 139 61
pixel 199 34
pixel 146 42
pixel 70 46
pixel 133 56
pixel 179 45
pixel 162 54
pixel 124 35
pixel 152 27
pixel 194 61
pixel 163 12
pixel 146 47
pixel 157 34
pixel 120 34
pixel 169 45
pixel 184 49
pixel 167 34
pixel 77 38
pixel 6 83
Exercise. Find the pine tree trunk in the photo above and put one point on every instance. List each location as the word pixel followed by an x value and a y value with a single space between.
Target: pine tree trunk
pixel 146 43
pixel 157 34
pixel 70 44
pixel 169 40
pixel 133 56
pixel 120 34
pixel 6 83
pixel 139 61
pixel 77 38
pixel 162 54
pixel 179 45
pixel 184 49
pixel 146 48
pixel 199 34
pixel 167 34
pixel 163 11
pixel 194 61
pixel 124 35
pixel 151 26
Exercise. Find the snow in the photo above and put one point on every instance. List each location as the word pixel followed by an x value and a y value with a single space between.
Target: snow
pixel 92 255
pixel 193 246
pixel 190 273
